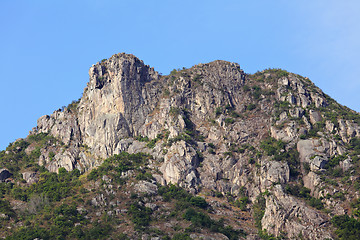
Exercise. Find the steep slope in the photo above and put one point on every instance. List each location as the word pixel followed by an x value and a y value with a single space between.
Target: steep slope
pixel 271 140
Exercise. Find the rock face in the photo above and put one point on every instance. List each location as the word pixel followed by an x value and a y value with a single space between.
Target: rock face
pixel 284 209
pixel 205 128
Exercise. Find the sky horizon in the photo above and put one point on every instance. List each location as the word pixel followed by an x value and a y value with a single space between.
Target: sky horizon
pixel 48 47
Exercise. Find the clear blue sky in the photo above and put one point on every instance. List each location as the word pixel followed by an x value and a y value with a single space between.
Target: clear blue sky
pixel 47 46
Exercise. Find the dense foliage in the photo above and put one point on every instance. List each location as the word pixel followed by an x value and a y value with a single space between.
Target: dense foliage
pixel 117 164
pixel 348 228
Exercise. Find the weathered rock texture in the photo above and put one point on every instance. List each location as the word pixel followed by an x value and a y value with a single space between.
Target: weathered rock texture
pixel 204 127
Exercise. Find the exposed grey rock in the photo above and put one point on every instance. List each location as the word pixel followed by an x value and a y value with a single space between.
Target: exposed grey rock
pixel 282 209
pixel 152 206
pixel 99 200
pixel 317 163
pixel 346 164
pixel 30 177
pixel 287 133
pixel 275 172
pixel 315 116
pixel 179 164
pixel 329 126
pixel 296 112
pixel 146 187
pixel 81 210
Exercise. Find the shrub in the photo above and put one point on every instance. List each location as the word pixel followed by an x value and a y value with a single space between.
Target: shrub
pixel 316 203
pixel 211 145
pixel 28 233
pixel 174 111
pixel 119 163
pixel 141 138
pixel 6 208
pixel 140 215
pixel 256 92
pixel 259 210
pixel 218 111
pixel 198 202
pixel 251 106
pixel 51 155
pixel 229 120
pixel 348 228
pixel 201 220
pixel 242 203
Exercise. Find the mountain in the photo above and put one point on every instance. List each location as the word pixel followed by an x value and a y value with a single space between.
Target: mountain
pixel 208 152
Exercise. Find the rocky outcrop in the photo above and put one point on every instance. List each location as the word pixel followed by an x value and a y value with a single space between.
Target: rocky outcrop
pixel 180 165
pixel 30 177
pixel 287 214
pixel 146 187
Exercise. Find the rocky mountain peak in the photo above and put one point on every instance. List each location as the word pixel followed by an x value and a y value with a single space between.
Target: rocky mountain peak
pixel 272 137
pixel 120 67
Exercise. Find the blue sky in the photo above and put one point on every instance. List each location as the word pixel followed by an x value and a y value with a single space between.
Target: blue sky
pixel 47 47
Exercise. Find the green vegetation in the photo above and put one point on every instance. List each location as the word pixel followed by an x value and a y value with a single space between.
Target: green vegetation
pixel 277 72
pixel 141 138
pixel 174 112
pixel 218 111
pixel 65 222
pixel 280 107
pixel 197 79
pixel 229 111
pixel 166 92
pixel 256 92
pixel 53 186
pixel 15 159
pixel 354 149
pixel 348 228
pixel 251 106
pixel 304 193
pixel 229 121
pixel 6 209
pixel 242 203
pixel 152 143
pixel 117 164
pixel 192 208
pixel 334 110
pixel 72 107
pixel 140 215
pixel 46 218
pixel 259 210
pixel 184 199
pixel 201 220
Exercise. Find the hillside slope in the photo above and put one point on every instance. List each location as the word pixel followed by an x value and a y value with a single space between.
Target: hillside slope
pixel 260 156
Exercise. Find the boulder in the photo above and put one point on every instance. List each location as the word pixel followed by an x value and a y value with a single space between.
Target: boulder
pixel 146 187
pixel 30 177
